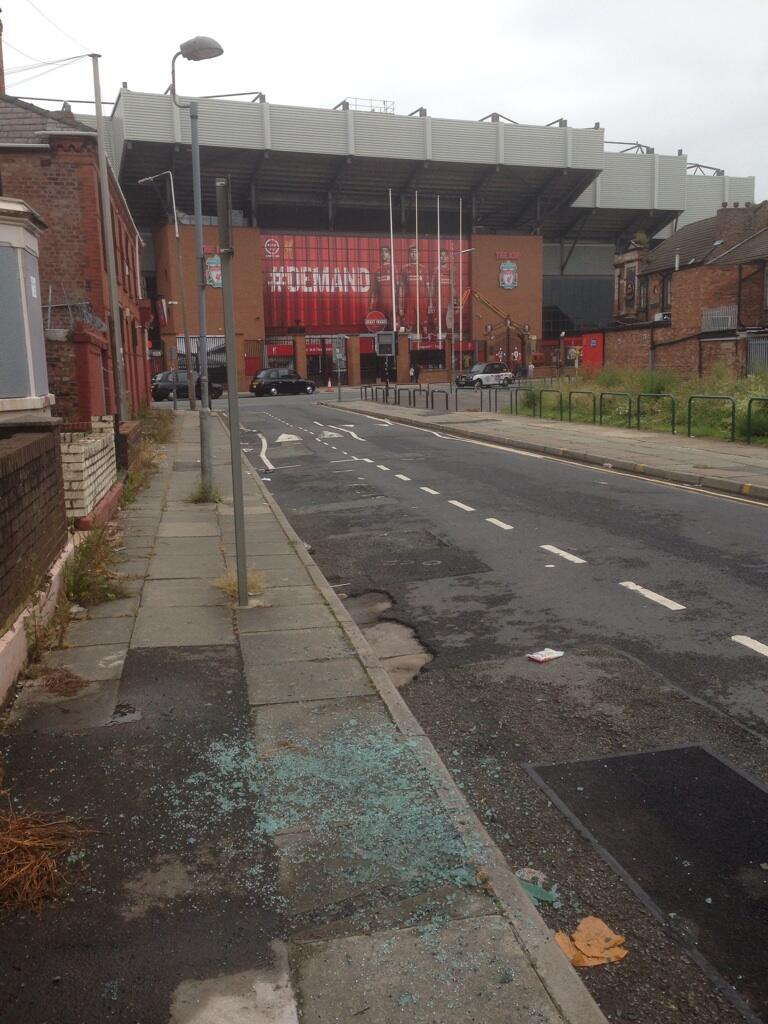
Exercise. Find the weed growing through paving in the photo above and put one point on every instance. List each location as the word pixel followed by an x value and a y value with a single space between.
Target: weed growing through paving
pixel 228 583
pixel 158 425
pixel 357 803
pixel 90 575
pixel 45 635
pixel 142 469
pixel 204 495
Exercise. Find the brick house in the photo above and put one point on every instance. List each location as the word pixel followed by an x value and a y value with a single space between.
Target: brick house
pixel 698 299
pixel 50 160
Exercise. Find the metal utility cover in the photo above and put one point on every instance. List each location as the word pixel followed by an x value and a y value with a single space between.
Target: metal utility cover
pixel 689 834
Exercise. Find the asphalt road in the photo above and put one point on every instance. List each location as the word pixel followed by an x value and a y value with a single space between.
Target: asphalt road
pixel 489 555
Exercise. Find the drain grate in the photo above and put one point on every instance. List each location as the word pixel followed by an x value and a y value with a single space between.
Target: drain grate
pixel 689 834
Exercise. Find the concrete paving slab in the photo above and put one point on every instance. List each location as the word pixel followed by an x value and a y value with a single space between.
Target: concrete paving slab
pixel 41 706
pixel 447 971
pixel 178 567
pixel 104 661
pixel 100 631
pixel 182 594
pixel 133 567
pixel 189 547
pixel 306 680
pixel 278 727
pixel 187 528
pixel 292 576
pixel 183 627
pixel 279 646
pixel 259 547
pixel 263 620
pixel 280 596
pixel 114 609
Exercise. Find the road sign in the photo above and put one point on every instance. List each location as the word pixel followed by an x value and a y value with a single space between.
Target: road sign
pixel 375 321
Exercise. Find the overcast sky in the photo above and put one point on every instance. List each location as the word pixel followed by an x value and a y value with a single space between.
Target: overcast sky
pixel 686 74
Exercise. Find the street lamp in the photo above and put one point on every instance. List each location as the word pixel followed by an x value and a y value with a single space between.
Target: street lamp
pixel 182 288
pixel 199 48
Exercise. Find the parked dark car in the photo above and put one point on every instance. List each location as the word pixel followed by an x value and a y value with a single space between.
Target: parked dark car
pixel 281 382
pixel 164 384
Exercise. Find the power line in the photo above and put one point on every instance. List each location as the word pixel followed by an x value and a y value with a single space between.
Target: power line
pixel 23 54
pixel 57 27
pixel 39 64
pixel 48 71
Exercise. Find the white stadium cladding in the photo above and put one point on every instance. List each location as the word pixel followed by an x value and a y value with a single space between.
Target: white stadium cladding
pixel 318 170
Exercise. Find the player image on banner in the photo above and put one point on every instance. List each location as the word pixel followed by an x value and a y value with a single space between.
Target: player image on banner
pixel 412 290
pixel 381 285
pixel 440 291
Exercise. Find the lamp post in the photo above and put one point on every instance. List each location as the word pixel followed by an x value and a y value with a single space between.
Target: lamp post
pixel 199 48
pixel 182 287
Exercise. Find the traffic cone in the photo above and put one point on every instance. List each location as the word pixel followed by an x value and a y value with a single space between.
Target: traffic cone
pixel 330 386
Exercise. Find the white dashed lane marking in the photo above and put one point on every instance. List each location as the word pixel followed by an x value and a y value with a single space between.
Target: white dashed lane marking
pixel 402 476
pixel 461 505
pixel 427 489
pixel 565 554
pixel 673 606
pixel 498 522
pixel 753 645
pixel 385 468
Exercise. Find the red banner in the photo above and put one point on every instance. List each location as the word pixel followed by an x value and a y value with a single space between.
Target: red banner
pixel 332 284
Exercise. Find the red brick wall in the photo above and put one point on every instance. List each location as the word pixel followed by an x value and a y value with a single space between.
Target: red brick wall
pixel 753 312
pixel 32 520
pixel 627 349
pixel 246 284
pixel 524 303
pixel 63 187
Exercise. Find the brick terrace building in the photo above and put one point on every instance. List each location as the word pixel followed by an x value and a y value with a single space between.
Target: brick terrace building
pixel 698 299
pixel 50 160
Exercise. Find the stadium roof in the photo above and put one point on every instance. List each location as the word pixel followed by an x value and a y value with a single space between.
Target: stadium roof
pixel 311 168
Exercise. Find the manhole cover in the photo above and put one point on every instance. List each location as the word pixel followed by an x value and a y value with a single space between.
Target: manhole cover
pixel 689 834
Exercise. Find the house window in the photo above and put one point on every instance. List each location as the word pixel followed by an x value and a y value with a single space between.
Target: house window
pixel 642 296
pixel 629 288
pixel 666 293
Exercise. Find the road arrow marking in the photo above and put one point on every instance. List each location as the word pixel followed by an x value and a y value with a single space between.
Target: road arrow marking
pixel 328 433
pixel 287 437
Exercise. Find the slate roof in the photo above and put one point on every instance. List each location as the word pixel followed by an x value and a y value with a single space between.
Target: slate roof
pixel 20 122
pixel 731 236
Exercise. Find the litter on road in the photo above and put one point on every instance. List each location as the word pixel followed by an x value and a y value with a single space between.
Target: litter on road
pixel 592 944
pixel 547 654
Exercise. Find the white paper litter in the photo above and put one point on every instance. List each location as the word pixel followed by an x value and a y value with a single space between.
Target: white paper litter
pixel 548 654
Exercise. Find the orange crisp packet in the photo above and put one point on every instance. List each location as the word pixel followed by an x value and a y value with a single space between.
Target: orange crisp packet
pixel 592 944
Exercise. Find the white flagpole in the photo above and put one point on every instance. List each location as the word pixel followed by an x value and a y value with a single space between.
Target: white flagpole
pixel 392 262
pixel 461 285
pixel 439 280
pixel 418 323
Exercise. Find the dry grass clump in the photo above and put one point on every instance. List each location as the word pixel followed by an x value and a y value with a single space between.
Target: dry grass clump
pixel 33 849
pixel 228 583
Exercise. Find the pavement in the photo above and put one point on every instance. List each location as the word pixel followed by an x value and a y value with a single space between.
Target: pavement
pixel 276 837
pixel 730 467
pixel 477 554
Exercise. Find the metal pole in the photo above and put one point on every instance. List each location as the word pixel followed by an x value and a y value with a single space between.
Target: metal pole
pixel 439 281
pixel 183 299
pixel 418 312
pixel 392 274
pixel 224 212
pixel 109 246
pixel 461 283
pixel 202 340
pixel 453 327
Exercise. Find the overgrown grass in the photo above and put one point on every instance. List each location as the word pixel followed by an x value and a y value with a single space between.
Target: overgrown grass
pixel 143 468
pixel 709 419
pixel 45 636
pixel 158 425
pixel 204 495
pixel 90 576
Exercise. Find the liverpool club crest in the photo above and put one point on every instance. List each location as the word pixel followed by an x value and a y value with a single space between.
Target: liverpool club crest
pixel 508 274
